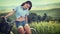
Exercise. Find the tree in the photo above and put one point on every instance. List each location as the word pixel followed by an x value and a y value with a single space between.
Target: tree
pixel 32 17
pixel 38 18
pixel 44 17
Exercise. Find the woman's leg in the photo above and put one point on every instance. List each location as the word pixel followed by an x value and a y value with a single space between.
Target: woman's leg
pixel 27 29
pixel 21 30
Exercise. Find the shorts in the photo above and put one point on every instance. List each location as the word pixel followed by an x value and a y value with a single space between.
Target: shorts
pixel 20 24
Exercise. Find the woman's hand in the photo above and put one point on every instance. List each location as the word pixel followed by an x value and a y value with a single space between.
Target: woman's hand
pixel 3 17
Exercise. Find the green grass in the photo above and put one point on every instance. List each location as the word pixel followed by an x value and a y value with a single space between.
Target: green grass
pixel 46 28
pixel 53 13
pixel 43 27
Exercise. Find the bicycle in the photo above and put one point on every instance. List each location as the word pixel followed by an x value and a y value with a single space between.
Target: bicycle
pixel 5 28
pixel 13 21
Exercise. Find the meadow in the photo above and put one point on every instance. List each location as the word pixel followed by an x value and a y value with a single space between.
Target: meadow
pixel 46 27
pixel 51 27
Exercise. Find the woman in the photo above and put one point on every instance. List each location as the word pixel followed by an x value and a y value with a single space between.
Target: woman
pixel 21 17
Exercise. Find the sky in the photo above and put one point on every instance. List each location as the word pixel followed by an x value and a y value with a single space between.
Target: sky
pixel 37 4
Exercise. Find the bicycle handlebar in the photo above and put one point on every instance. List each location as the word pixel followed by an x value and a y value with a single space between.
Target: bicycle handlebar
pixel 9 22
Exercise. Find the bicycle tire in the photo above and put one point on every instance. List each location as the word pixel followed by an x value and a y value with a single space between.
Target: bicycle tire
pixel 33 30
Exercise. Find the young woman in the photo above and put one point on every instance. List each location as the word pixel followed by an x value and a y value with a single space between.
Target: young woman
pixel 21 17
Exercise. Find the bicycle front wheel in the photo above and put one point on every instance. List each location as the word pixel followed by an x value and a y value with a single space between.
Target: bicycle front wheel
pixel 33 30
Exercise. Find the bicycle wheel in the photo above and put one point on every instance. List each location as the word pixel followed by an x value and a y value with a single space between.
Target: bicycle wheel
pixel 11 32
pixel 33 30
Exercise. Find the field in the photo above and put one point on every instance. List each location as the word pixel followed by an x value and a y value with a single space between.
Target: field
pixel 50 27
pixel 46 27
pixel 54 13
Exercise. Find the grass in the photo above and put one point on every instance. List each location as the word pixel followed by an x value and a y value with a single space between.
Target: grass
pixel 46 28
pixel 43 27
pixel 53 13
pixel 50 27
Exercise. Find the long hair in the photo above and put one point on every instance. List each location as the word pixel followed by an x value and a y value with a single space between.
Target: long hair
pixel 28 2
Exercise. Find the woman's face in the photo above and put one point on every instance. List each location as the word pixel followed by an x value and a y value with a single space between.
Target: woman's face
pixel 26 6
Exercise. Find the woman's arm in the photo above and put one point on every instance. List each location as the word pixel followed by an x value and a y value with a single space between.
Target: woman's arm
pixel 10 13
pixel 26 19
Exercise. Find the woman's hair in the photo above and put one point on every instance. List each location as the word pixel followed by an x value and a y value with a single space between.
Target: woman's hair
pixel 27 2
